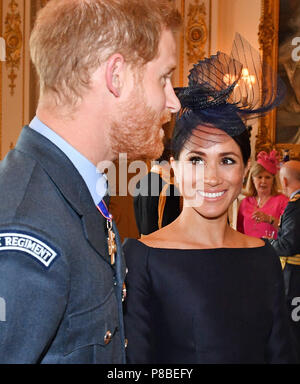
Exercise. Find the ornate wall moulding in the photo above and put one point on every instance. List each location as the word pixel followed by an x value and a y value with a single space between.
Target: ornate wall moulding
pixel 196 32
pixel 13 38
pixel 2 49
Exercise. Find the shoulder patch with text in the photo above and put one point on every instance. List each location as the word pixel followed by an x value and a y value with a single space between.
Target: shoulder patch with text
pixel 30 244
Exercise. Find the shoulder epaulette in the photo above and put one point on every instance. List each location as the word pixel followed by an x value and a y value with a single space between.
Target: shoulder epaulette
pixel 296 197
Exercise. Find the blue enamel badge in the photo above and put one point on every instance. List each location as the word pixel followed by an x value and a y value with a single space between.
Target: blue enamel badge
pixel 26 243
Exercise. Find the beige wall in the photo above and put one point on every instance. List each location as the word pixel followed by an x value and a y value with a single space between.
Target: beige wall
pixel 241 16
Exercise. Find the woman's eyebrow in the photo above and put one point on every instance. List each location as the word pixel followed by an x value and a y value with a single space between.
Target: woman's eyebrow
pixel 228 154
pixel 196 153
pixel 220 154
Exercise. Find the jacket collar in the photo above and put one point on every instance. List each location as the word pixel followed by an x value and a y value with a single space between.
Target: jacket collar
pixel 69 182
pixel 295 195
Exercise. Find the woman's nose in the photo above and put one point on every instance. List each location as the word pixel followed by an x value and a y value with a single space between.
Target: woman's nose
pixel 211 175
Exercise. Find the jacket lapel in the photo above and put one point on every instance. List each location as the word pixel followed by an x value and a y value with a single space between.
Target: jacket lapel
pixel 94 226
pixel 70 184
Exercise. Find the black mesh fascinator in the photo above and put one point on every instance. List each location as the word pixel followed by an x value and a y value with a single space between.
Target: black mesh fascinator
pixel 225 91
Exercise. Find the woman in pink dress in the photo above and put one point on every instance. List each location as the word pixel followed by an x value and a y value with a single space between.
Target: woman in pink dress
pixel 260 211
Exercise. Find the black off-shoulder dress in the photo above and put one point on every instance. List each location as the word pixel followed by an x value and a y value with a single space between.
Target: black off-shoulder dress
pixel 205 306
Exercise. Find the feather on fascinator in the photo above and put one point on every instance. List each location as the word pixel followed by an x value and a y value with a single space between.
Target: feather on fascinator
pixel 229 89
pixel 269 161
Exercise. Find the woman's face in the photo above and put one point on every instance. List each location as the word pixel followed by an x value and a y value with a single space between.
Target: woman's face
pixel 210 171
pixel 263 183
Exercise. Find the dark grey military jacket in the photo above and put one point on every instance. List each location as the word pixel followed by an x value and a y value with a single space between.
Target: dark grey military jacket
pixel 288 240
pixel 60 298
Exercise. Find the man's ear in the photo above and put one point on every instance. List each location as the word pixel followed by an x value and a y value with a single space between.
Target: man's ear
pixel 284 182
pixel 114 75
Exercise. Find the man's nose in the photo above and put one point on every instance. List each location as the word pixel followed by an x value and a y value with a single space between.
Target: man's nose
pixel 172 102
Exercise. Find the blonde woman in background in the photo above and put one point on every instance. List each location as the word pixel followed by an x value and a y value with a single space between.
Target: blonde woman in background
pixel 259 212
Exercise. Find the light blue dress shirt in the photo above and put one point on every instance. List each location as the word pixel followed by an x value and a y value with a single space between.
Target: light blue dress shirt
pixel 95 181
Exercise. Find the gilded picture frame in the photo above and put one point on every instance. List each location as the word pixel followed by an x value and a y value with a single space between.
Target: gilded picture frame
pixel 268 136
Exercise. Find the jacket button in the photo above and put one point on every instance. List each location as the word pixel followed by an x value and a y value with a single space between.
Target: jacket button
pixel 107 337
pixel 125 343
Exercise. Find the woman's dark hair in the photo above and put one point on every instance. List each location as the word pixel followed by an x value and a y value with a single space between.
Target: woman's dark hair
pixel 216 117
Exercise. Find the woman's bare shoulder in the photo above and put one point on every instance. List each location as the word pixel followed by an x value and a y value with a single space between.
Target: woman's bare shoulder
pixel 248 241
pixel 167 237
pixel 163 238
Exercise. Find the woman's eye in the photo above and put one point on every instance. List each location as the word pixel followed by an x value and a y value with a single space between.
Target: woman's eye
pixel 196 160
pixel 228 161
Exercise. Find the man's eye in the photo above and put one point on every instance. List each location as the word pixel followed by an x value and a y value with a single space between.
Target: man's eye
pixel 166 78
pixel 163 80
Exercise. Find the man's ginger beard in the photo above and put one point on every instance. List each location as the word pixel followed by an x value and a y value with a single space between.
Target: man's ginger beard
pixel 136 129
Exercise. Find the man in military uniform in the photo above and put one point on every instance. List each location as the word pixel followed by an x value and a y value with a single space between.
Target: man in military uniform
pixel 105 70
pixel 287 245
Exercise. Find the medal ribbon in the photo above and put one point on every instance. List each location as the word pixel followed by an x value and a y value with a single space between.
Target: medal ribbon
pixel 112 247
pixel 102 208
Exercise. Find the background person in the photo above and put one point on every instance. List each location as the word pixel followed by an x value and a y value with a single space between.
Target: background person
pixel 260 210
pixel 288 244
pixel 105 70
pixel 157 199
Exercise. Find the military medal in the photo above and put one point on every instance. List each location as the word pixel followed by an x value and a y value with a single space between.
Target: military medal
pixel 111 239
pixel 112 246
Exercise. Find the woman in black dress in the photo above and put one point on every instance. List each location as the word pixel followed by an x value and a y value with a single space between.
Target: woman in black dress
pixel 199 291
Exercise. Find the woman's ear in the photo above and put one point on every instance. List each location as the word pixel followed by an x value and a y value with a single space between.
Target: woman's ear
pixel 114 74
pixel 247 168
pixel 173 164
pixel 174 168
